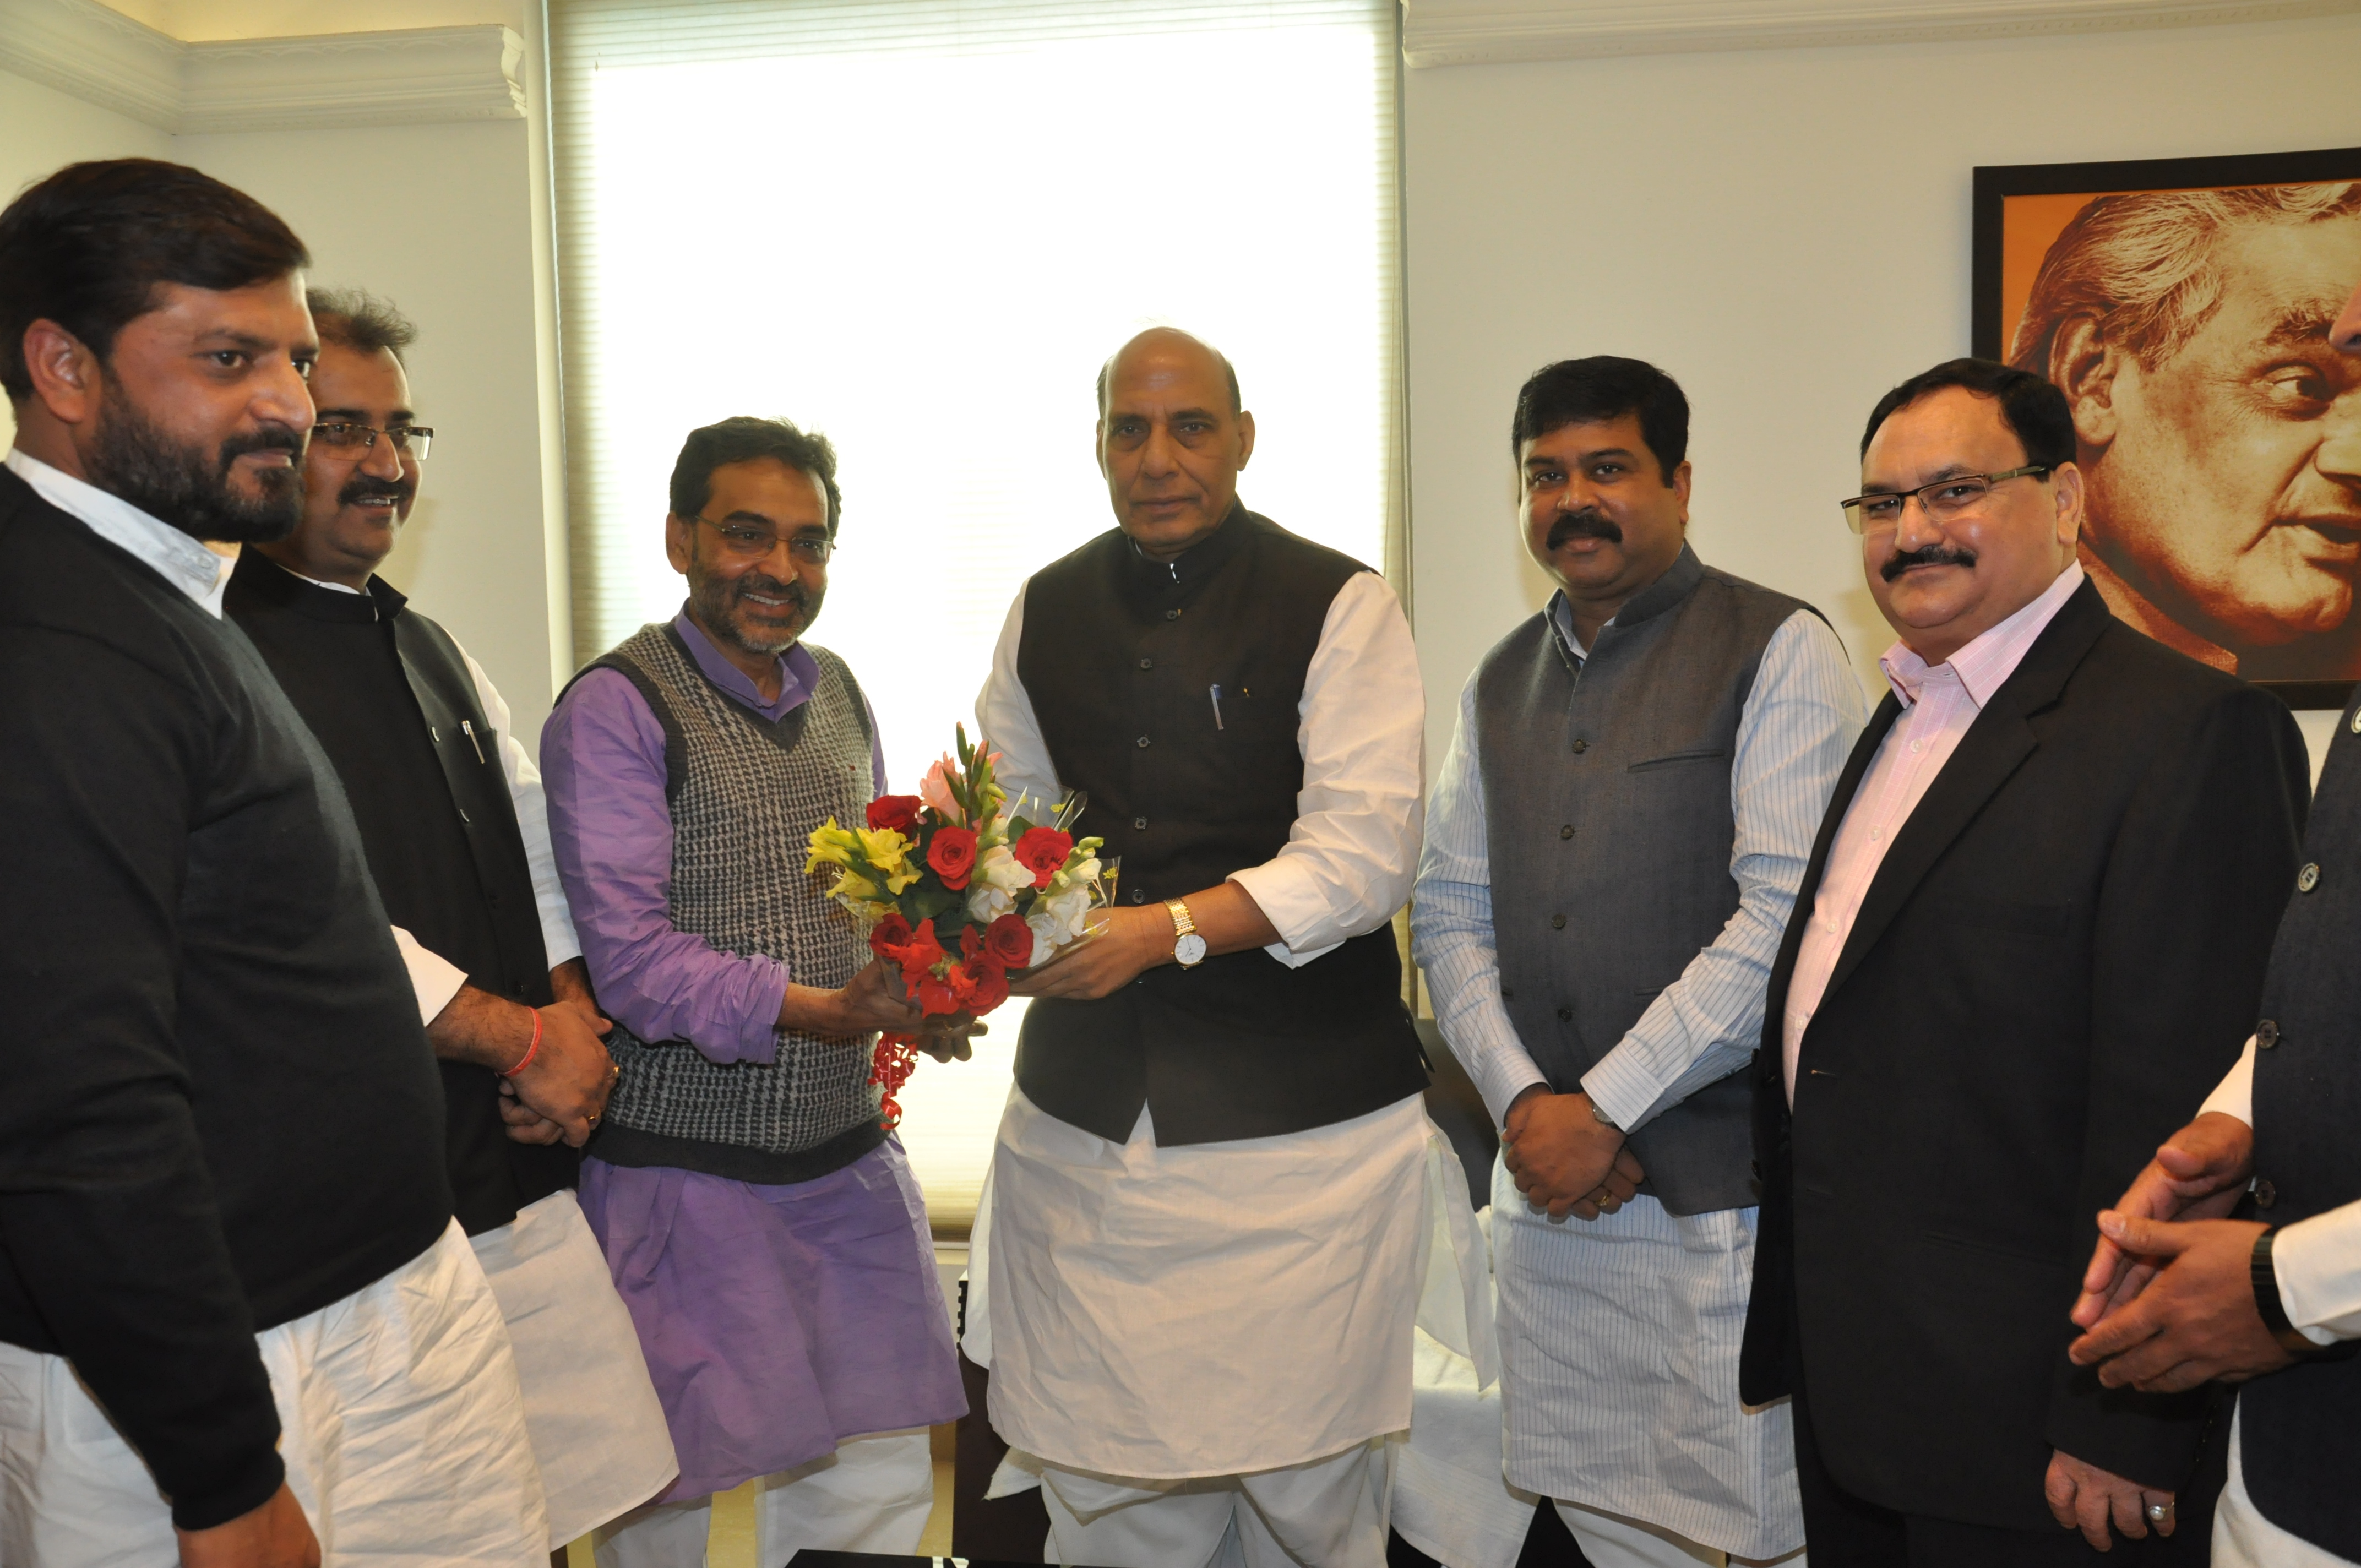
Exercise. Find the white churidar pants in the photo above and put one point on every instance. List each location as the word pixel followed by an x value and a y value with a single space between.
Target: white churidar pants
pixel 404 1437
pixel 1330 1513
pixel 2242 1538
pixel 873 1494
pixel 597 1428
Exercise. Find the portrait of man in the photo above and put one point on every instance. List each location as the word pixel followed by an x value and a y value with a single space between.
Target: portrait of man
pixel 2218 431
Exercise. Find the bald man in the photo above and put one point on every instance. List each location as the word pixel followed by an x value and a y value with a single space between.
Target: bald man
pixel 1195 1272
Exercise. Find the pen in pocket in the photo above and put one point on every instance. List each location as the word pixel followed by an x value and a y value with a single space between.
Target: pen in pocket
pixel 1216 694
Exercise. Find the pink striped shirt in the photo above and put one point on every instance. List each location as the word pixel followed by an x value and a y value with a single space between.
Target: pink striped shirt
pixel 1938 706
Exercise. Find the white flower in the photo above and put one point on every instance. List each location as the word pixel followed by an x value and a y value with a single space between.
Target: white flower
pixel 1001 869
pixel 1068 909
pixel 1046 937
pixel 987 902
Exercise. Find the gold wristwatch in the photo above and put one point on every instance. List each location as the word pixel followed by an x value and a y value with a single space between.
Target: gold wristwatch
pixel 1188 947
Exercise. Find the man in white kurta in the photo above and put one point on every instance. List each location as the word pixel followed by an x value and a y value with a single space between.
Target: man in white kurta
pixel 1597 916
pixel 1198 1312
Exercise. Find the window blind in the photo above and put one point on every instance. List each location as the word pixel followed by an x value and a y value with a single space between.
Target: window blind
pixel 920 227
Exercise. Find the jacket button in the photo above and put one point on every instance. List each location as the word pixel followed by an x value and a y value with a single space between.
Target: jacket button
pixel 1139 896
pixel 2356 721
pixel 1565 1015
pixel 1140 823
pixel 1147 664
pixel 1581 746
pixel 1171 615
pixel 1566 831
pixel 2265 1193
pixel 1557 922
pixel 2266 1034
pixel 1141 741
pixel 2308 878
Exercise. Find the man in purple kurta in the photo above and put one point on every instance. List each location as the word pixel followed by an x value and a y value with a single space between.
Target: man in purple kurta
pixel 761 1224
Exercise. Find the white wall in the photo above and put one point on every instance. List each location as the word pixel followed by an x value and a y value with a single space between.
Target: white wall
pixel 1786 231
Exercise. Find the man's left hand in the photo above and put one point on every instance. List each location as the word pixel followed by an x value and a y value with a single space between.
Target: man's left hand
pixel 1561 1155
pixel 2083 1496
pixel 2197 1320
pixel 1125 943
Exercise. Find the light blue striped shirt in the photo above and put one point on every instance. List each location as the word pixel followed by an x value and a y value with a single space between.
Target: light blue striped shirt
pixel 1798 725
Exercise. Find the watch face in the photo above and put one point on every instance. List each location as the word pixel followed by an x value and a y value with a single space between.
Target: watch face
pixel 1190 949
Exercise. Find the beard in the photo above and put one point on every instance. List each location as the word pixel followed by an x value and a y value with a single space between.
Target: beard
pixel 1587 524
pixel 717 599
pixel 184 485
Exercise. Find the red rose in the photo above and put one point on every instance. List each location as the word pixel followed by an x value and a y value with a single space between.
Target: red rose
pixel 899 812
pixel 1043 851
pixel 889 935
pixel 1009 941
pixel 991 982
pixel 951 852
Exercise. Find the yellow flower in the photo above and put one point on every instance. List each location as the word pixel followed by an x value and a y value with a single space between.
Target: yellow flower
pixel 883 848
pixel 850 886
pixel 831 845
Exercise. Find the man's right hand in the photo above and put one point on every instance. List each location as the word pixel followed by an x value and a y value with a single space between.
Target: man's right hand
pixel 869 1002
pixel 569 1078
pixel 2197 1175
pixel 275 1535
pixel 1564 1158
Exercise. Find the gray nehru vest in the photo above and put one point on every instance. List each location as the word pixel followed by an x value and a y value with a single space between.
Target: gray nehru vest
pixel 1607 794
pixel 745 794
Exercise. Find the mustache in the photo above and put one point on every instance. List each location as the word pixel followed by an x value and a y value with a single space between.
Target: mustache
pixel 1587 524
pixel 362 489
pixel 790 590
pixel 1930 556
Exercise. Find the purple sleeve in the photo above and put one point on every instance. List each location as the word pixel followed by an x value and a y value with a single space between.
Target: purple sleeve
pixel 602 758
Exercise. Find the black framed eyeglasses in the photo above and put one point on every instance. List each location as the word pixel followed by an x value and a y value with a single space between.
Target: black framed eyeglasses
pixel 342 435
pixel 752 542
pixel 1879 512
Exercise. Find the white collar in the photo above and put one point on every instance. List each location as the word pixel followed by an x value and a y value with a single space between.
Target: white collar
pixel 183 562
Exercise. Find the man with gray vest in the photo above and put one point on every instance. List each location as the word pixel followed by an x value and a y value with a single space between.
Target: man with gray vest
pixel 761 1223
pixel 1195 1274
pixel 2178 1293
pixel 1617 834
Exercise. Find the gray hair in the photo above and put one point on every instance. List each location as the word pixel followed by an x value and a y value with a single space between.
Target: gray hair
pixel 359 320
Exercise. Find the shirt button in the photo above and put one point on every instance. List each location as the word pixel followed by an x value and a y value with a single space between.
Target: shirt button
pixel 1147 664
pixel 1581 746
pixel 1874 833
pixel 2308 878
pixel 2266 1034
pixel 1141 741
pixel 1917 747
pixel 1557 922
pixel 2265 1193
pixel 1140 823
pixel 1566 831
pixel 1565 1015
pixel 1171 615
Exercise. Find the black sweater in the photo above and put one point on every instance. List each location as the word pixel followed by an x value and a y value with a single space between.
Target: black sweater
pixel 217 1108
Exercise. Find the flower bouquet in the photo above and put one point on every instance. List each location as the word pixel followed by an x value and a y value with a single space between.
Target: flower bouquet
pixel 958 890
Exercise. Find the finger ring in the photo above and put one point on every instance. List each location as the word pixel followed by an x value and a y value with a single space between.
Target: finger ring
pixel 2156 1511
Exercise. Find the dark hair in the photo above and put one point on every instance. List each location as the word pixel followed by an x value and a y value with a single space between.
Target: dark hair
pixel 89 247
pixel 2034 408
pixel 1229 372
pixel 359 320
pixel 743 440
pixel 1604 386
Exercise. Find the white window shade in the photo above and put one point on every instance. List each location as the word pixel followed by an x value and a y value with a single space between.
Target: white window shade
pixel 919 227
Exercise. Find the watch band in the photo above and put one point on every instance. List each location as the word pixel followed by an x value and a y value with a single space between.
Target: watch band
pixel 1602 1118
pixel 1182 924
pixel 2266 1299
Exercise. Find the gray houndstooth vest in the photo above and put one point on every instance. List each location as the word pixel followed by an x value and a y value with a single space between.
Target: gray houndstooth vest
pixel 745 794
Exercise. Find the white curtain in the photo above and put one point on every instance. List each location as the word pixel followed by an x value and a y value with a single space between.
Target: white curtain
pixel 920 227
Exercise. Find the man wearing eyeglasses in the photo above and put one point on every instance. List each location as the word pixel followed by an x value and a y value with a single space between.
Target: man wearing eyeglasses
pixel 2036 913
pixel 451 813
pixel 760 1222
pixel 2178 1292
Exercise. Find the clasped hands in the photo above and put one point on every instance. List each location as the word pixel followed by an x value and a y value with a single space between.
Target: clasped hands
pixel 1564 1158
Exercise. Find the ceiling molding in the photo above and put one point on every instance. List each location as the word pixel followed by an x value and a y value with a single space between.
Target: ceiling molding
pixel 414 76
pixel 1473 32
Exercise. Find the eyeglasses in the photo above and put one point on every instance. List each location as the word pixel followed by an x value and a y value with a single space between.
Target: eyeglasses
pixel 752 543
pixel 341 435
pixel 1880 512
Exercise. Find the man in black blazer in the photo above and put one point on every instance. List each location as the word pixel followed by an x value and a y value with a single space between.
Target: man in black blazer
pixel 2035 924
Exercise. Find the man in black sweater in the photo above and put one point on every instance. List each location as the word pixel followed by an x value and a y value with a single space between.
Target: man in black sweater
pixel 452 817
pixel 235 1320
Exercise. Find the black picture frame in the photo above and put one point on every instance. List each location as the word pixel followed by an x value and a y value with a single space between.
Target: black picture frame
pixel 1994 184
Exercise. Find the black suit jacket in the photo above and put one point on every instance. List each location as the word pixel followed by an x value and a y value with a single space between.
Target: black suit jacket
pixel 2058 957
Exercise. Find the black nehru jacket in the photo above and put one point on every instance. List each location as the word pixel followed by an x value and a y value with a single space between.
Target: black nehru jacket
pixel 217 1110
pixel 389 696
pixel 1117 656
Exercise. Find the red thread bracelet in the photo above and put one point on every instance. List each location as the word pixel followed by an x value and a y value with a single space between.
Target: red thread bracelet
pixel 531 1050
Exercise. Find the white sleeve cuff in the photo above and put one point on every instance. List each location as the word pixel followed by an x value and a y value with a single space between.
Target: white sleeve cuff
pixel 435 979
pixel 2318 1262
pixel 1290 895
pixel 2234 1095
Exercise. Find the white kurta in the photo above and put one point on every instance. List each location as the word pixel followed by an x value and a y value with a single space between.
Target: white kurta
pixel 1217 1308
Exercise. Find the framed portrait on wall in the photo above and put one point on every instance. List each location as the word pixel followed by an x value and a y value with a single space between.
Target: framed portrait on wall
pixel 2183 305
